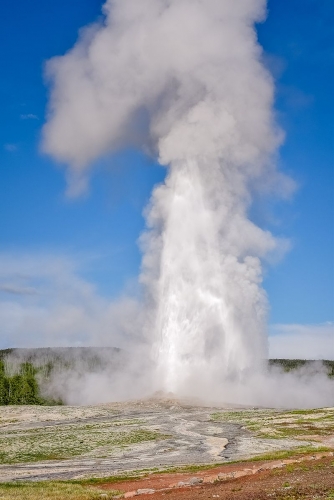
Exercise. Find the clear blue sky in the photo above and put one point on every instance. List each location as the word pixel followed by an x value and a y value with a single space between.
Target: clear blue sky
pixel 36 217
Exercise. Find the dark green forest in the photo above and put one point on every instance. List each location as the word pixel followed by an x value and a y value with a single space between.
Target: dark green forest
pixel 22 387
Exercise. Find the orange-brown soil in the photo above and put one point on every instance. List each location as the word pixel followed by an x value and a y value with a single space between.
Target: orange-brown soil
pixel 310 477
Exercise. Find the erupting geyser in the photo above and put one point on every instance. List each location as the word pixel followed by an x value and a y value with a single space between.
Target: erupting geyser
pixel 210 308
pixel 184 79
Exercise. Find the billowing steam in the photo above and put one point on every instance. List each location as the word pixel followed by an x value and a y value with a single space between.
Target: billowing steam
pixel 183 80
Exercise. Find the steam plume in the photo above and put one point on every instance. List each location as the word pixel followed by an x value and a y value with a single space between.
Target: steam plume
pixel 182 79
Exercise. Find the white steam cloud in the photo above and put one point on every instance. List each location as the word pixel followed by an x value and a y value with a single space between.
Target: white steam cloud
pixel 183 80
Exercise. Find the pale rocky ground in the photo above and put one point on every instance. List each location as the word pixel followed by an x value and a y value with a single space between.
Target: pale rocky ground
pixel 66 442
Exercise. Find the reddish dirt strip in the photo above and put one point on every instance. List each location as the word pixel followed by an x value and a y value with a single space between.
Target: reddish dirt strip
pixel 238 481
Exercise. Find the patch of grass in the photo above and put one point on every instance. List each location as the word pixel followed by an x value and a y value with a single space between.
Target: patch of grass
pixel 306 412
pixel 94 481
pixel 304 430
pixel 52 490
pixel 67 441
pixel 278 424
pixel 282 454
pixel 190 468
pixel 140 473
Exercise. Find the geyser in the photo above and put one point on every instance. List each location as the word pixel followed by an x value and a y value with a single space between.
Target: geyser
pixel 184 80
pixel 210 308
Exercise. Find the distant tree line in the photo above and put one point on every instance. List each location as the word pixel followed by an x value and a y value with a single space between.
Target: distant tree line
pixel 21 388
pixel 21 370
pixel 294 364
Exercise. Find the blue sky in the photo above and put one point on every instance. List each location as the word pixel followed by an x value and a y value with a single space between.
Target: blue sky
pixel 100 230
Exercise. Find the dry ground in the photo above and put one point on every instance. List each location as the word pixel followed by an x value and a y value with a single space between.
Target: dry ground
pixel 308 477
pixel 141 439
